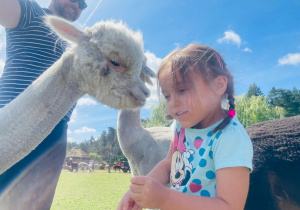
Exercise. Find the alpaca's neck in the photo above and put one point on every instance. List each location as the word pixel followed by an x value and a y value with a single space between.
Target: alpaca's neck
pixel 129 118
pixel 34 113
pixel 143 148
pixel 129 127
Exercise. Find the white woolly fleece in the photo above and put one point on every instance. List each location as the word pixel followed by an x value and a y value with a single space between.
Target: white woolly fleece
pixel 85 68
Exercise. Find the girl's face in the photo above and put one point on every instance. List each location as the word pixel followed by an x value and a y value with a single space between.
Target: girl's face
pixel 194 103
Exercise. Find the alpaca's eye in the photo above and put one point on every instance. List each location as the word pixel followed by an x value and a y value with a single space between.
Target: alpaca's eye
pixel 114 63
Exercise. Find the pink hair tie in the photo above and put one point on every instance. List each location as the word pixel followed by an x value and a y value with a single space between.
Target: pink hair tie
pixel 219 61
pixel 231 113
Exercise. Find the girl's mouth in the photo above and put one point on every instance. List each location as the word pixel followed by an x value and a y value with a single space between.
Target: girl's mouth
pixel 179 114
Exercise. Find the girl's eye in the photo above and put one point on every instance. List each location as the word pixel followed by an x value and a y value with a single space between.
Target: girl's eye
pixel 166 97
pixel 115 63
pixel 181 90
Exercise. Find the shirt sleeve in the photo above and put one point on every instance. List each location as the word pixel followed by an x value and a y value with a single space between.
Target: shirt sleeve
pixel 28 9
pixel 232 148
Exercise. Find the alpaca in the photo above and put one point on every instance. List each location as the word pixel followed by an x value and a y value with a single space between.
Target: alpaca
pixel 83 166
pixel 72 165
pixel 105 61
pixel 274 182
pixel 117 167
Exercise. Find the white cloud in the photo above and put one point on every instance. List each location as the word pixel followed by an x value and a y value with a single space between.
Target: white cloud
pixel 1 66
pixel 230 37
pixel 70 139
pixel 290 59
pixel 247 49
pixel 2 38
pixel 74 116
pixel 2 47
pixel 86 101
pixel 85 130
pixel 153 63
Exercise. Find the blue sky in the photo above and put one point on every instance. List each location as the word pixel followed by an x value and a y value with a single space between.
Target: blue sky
pixel 259 40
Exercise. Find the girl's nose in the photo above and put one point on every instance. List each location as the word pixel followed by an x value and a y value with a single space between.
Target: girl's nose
pixel 175 100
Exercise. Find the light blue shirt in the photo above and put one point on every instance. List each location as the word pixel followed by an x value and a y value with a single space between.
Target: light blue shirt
pixel 198 154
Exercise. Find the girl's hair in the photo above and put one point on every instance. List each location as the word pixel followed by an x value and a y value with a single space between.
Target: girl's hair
pixel 207 62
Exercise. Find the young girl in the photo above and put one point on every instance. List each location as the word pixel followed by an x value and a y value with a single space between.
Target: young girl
pixel 210 156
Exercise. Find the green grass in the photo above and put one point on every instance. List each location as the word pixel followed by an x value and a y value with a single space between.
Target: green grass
pixel 96 190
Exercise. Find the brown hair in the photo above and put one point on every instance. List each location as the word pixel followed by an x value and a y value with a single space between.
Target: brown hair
pixel 207 62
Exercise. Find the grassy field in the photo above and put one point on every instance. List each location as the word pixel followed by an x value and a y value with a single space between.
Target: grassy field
pixel 96 190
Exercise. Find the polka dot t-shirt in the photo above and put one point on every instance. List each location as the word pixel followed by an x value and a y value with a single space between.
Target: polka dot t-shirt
pixel 197 154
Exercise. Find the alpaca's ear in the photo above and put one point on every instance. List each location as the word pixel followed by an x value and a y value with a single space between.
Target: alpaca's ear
pixel 145 78
pixel 65 29
pixel 146 70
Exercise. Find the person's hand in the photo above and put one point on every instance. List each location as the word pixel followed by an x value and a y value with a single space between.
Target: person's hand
pixel 127 203
pixel 147 192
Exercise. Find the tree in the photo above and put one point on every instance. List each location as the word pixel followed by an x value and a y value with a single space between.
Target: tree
pixel 102 142
pixel 96 157
pixel 256 109
pixel 287 99
pixel 158 116
pixel 71 145
pixel 254 90
pixel 108 146
pixel 84 146
pixel 112 147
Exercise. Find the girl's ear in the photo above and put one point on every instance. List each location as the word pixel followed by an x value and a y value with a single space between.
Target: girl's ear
pixel 219 85
pixel 65 29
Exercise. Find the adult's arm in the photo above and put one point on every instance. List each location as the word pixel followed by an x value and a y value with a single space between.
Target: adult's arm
pixel 10 13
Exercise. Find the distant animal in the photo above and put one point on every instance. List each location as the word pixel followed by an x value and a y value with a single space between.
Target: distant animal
pixel 101 166
pixel 116 167
pixel 83 166
pixel 73 165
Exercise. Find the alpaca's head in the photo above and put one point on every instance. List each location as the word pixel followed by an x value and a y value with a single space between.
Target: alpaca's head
pixel 108 60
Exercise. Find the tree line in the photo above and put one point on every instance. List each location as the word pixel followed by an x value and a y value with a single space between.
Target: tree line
pixel 251 108
pixel 105 148
pixel 255 107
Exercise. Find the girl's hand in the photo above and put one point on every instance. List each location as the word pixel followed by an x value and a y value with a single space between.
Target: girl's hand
pixel 127 203
pixel 147 192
